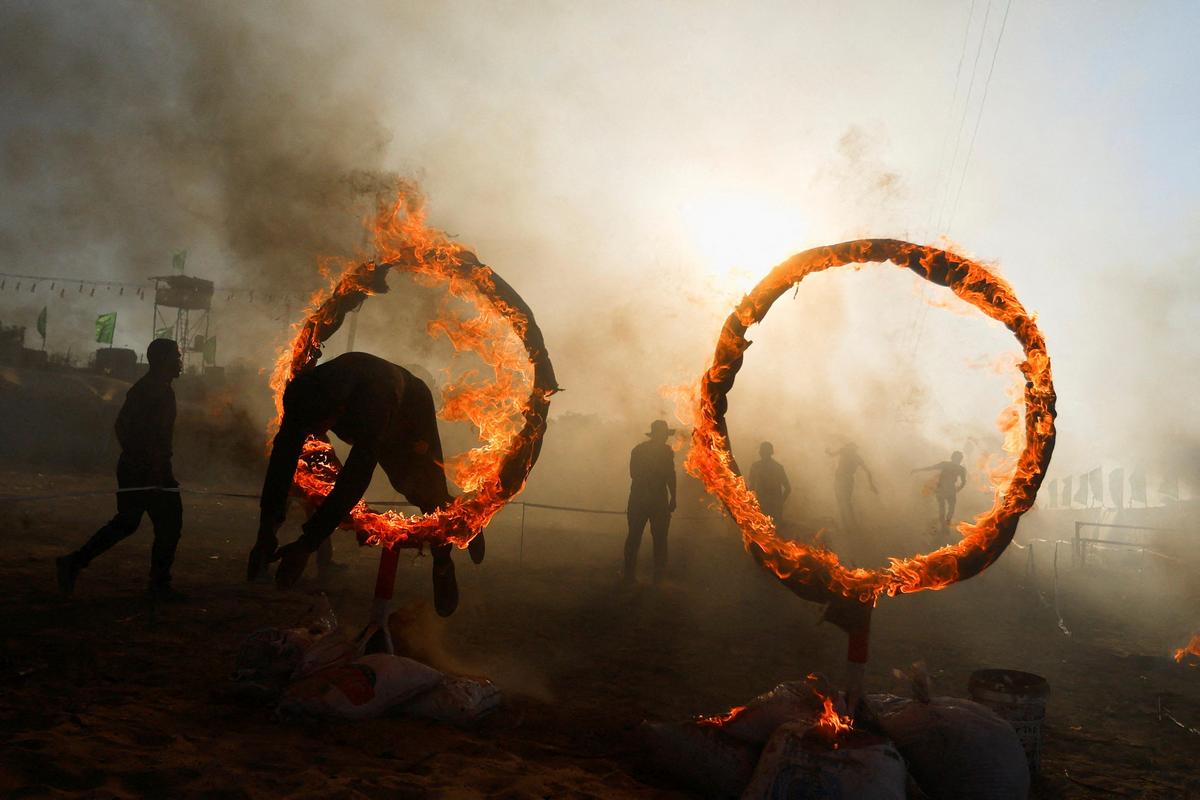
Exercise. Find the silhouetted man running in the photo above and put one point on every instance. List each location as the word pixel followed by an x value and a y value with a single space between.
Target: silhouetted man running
pixel 848 463
pixel 651 499
pixel 769 483
pixel 386 415
pixel 952 478
pixel 145 427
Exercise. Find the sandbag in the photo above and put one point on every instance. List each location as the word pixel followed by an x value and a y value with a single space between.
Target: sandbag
pixel 361 689
pixel 956 749
pixel 800 764
pixel 275 656
pixel 700 757
pixel 456 700
pixel 272 655
pixel 791 701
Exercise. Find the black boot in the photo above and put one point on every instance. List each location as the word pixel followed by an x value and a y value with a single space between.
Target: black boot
pixel 476 548
pixel 164 593
pixel 445 586
pixel 68 568
pixel 258 568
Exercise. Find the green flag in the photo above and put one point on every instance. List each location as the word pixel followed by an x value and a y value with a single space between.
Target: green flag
pixel 210 351
pixel 106 326
pixel 165 333
pixel 41 324
pixel 178 259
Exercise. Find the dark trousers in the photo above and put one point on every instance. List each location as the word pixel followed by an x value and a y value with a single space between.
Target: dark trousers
pixel 166 513
pixel 660 522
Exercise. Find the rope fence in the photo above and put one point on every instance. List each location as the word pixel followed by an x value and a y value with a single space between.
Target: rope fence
pixel 16 498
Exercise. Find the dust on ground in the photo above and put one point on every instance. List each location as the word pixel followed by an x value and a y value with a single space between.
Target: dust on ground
pixel 107 697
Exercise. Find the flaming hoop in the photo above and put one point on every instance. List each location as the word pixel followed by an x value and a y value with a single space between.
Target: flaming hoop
pixel 510 412
pixel 813 572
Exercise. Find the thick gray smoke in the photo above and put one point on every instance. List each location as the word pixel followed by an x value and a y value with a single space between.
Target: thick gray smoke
pixel 631 174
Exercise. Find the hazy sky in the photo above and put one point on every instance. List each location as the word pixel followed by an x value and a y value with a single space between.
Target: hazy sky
pixel 633 168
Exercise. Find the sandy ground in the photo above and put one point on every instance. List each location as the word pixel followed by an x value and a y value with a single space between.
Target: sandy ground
pixel 105 697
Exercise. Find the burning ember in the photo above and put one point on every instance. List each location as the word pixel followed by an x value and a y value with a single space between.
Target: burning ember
pixel 812 571
pixel 1191 649
pixel 830 725
pixel 509 411
pixel 721 720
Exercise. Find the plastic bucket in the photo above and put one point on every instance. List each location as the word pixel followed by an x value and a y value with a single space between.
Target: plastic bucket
pixel 1018 697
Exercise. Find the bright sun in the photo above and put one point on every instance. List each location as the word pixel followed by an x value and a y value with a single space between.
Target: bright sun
pixel 736 237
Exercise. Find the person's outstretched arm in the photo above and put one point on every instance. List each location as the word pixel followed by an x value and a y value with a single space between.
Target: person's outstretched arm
pixel 671 480
pixel 787 485
pixel 285 452
pixel 930 468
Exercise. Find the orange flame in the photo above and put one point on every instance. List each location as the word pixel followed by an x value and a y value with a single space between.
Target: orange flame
pixel 813 571
pixel 831 724
pixel 509 410
pixel 1192 648
pixel 720 720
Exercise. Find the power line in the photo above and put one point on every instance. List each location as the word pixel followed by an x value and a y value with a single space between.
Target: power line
pixel 966 108
pixel 979 117
pixel 941 172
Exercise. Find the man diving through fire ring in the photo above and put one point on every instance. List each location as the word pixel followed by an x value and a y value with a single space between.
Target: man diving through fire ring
pixel 386 414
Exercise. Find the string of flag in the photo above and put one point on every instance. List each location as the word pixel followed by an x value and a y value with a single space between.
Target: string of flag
pixel 62 286
pixel 1087 490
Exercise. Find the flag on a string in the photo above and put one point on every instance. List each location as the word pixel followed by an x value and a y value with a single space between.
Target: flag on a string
pixel 1116 487
pixel 1096 483
pixel 1081 493
pixel 1168 488
pixel 1137 486
pixel 179 259
pixel 41 325
pixel 106 326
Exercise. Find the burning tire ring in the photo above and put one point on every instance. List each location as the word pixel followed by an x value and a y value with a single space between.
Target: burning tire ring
pixel 468 514
pixel 815 573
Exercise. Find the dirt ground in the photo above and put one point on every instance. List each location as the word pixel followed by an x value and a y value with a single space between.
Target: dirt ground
pixel 106 697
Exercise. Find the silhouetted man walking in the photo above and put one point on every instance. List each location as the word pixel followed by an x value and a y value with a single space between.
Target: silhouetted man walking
pixel 651 498
pixel 769 483
pixel 848 463
pixel 386 415
pixel 145 427
pixel 952 478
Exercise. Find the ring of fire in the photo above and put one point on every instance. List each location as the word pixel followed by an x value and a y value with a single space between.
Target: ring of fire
pixel 511 424
pixel 816 573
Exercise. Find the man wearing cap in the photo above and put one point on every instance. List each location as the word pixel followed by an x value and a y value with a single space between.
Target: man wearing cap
pixel 146 482
pixel 651 498
pixel 769 483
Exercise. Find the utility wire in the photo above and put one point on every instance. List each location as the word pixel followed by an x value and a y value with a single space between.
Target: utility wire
pixel 941 172
pixel 966 108
pixel 979 117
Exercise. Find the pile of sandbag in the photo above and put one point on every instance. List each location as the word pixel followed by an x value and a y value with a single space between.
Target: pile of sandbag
pixel 801 763
pixel 314 671
pixel 955 749
pixel 717 756
pixel 943 748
